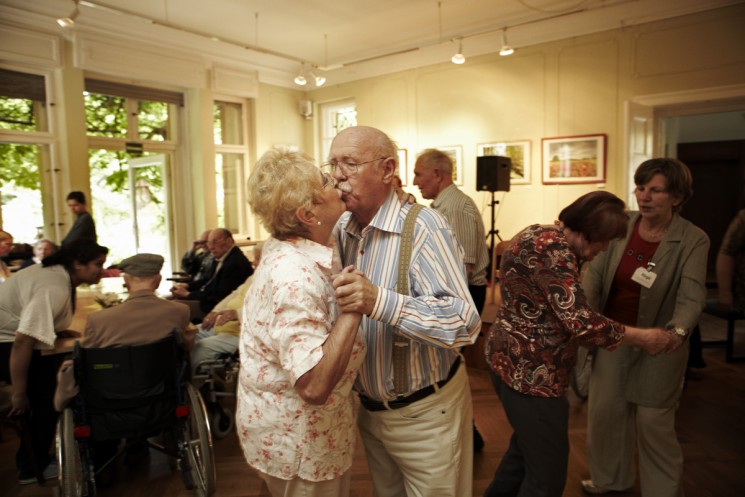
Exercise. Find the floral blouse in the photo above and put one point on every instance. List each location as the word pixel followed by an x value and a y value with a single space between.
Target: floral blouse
pixel 532 346
pixel 288 313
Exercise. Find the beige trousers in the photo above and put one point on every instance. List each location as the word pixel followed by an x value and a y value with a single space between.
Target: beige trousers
pixel 425 449
pixel 297 487
pixel 614 425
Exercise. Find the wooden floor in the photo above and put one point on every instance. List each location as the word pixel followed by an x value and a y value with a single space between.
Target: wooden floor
pixel 711 428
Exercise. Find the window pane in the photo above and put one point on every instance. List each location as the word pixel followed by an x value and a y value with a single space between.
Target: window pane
pixel 229 174
pixel 21 114
pixel 152 120
pixel 228 123
pixel 105 115
pixel 346 118
pixel 20 184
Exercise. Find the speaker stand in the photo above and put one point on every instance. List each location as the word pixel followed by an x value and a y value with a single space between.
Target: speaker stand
pixel 493 232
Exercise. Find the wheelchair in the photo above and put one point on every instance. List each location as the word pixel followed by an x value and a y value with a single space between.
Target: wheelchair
pixel 134 393
pixel 216 380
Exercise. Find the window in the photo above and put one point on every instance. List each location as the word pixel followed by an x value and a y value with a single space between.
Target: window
pixel 336 117
pixel 132 141
pixel 231 156
pixel 26 174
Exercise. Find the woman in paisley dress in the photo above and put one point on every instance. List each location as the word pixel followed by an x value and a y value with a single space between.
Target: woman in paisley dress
pixel 532 346
pixel 299 353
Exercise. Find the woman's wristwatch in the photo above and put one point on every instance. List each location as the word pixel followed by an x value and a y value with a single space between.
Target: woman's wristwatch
pixel 679 331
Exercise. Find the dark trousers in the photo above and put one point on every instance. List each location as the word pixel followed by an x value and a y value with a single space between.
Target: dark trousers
pixel 478 294
pixel 536 461
pixel 42 418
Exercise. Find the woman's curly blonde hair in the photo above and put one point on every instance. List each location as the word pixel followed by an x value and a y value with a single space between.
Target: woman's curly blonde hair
pixel 282 181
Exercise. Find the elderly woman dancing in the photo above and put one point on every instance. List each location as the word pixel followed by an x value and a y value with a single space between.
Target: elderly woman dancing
pixel 299 354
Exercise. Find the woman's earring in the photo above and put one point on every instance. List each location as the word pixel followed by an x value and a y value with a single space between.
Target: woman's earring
pixel 318 223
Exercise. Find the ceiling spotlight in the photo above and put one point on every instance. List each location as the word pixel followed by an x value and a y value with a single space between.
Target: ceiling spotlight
pixel 459 58
pixel 506 48
pixel 300 78
pixel 66 22
pixel 320 80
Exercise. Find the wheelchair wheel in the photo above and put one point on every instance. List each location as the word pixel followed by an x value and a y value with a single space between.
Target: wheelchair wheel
pixel 73 474
pixel 221 421
pixel 198 442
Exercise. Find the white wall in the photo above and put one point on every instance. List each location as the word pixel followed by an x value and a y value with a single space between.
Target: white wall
pixel 571 87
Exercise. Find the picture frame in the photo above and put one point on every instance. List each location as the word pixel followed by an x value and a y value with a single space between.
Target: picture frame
pixel 456 154
pixel 518 151
pixel 569 160
pixel 403 166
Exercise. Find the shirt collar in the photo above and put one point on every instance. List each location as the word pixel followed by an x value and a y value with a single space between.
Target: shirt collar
pixel 441 197
pixel 387 218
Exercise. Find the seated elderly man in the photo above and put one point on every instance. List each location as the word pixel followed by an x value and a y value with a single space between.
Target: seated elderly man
pixel 198 263
pixel 42 248
pixel 143 318
pixel 220 328
pixel 233 268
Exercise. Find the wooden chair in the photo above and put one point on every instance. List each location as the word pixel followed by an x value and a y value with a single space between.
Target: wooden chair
pixel 713 309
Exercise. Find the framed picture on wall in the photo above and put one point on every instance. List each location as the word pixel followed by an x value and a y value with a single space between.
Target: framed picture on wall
pixel 456 154
pixel 574 159
pixel 403 166
pixel 518 151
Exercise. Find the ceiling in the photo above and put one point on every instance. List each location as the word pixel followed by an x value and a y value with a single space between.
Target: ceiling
pixel 346 40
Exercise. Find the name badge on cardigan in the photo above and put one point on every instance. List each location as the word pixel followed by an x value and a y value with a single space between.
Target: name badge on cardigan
pixel 644 277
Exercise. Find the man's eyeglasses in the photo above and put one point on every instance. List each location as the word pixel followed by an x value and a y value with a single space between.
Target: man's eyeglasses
pixel 348 167
pixel 326 180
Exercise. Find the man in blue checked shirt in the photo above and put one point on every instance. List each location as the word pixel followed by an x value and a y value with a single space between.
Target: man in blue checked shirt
pixel 417 423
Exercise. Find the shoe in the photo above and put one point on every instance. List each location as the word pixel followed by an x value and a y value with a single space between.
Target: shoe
pixel 478 440
pixel 589 487
pixel 49 473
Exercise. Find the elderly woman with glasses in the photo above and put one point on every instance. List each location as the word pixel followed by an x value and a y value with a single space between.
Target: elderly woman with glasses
pixel 299 353
pixel 655 276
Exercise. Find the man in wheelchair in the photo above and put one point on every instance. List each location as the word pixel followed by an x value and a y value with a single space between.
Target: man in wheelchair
pixel 142 319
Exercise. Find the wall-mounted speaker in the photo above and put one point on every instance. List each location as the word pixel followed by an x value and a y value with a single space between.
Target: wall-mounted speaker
pixel 493 173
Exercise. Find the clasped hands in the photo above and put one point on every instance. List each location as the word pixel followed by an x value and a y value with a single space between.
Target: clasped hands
pixel 354 292
pixel 660 341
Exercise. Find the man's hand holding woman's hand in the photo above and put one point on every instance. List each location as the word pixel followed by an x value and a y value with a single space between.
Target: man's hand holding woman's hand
pixel 354 292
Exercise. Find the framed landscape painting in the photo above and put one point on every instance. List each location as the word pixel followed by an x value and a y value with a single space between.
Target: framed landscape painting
pixel 456 154
pixel 574 159
pixel 517 151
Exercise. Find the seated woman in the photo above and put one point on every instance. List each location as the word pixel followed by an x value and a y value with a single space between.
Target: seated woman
pixel 299 355
pixel 6 246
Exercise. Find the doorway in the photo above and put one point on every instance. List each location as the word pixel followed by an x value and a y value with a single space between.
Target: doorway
pixel 718 170
pixel 131 203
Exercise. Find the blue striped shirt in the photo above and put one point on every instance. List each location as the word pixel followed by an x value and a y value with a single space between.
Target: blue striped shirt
pixel 439 317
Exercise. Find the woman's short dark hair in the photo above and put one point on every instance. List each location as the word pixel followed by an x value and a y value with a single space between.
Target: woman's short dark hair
pixel 599 216
pixel 82 251
pixel 678 180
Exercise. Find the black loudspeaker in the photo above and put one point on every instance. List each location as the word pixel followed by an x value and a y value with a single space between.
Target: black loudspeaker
pixel 493 173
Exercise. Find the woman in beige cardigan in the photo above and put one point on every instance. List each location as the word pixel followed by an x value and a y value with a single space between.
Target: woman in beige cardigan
pixel 655 277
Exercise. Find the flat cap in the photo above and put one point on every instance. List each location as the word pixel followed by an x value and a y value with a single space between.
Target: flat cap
pixel 142 265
